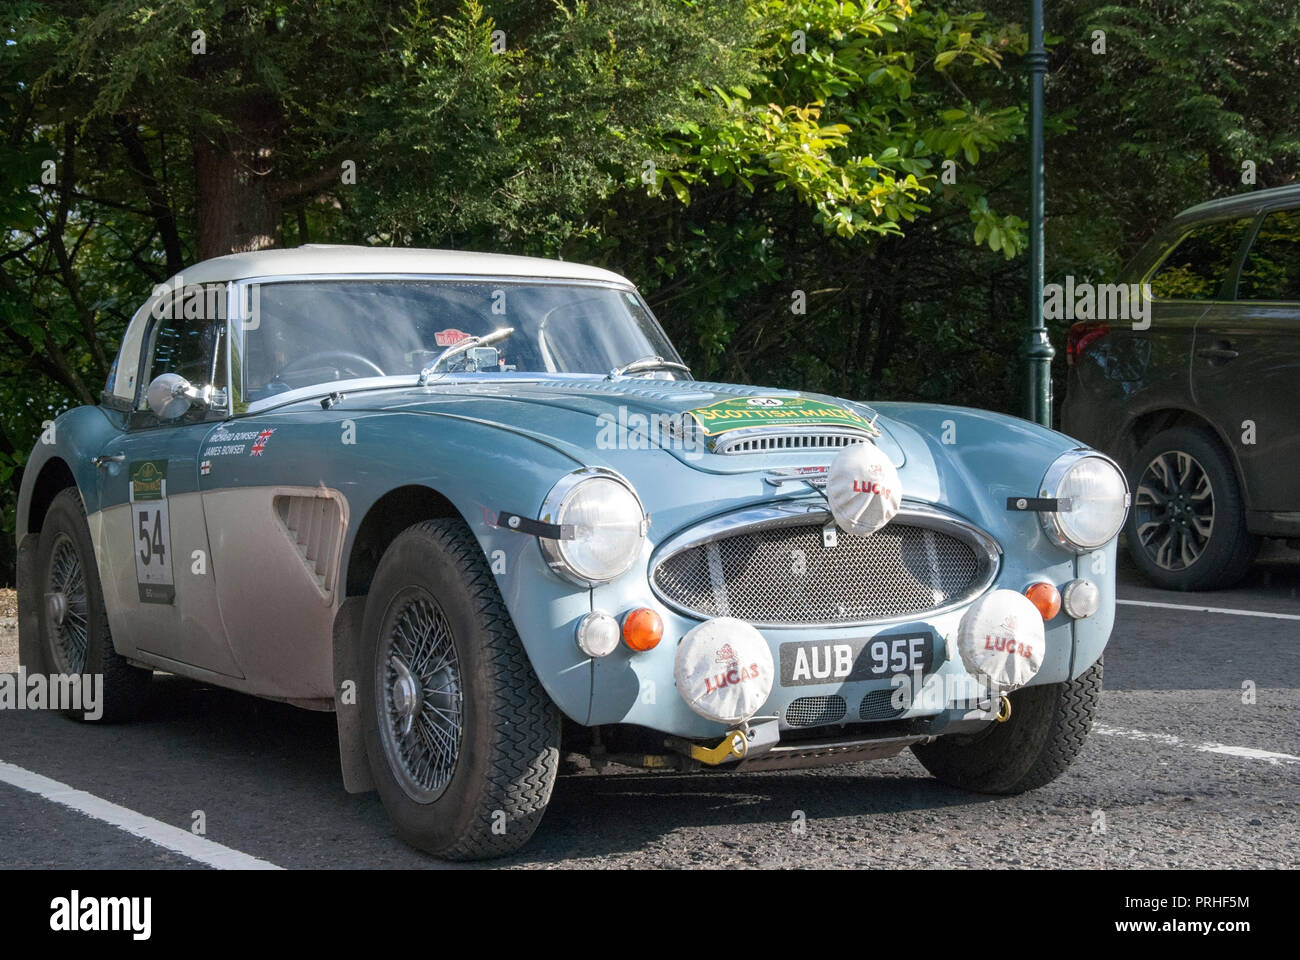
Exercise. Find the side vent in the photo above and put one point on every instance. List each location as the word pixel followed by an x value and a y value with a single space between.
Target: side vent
pixel 315 526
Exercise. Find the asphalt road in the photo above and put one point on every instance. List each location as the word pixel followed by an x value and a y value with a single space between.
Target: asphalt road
pixel 1180 772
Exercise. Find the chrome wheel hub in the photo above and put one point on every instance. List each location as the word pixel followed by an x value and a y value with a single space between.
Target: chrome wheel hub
pixel 419 696
pixel 66 607
pixel 406 697
pixel 1174 509
pixel 56 608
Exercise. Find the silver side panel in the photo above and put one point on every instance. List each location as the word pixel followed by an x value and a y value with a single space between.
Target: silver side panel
pixel 189 630
pixel 277 550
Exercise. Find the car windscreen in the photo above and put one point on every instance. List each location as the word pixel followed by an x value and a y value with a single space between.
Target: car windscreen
pixel 306 332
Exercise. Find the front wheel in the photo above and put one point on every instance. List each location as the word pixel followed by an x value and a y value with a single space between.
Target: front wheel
pixel 1045 732
pixel 462 740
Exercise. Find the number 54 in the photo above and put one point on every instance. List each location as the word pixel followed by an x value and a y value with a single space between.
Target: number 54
pixel 153 542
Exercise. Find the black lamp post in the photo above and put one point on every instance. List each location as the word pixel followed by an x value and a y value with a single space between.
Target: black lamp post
pixel 1037 349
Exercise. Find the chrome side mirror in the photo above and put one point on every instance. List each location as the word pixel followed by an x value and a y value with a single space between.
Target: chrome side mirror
pixel 171 395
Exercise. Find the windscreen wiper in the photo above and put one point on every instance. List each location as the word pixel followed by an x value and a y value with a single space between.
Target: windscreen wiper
pixel 648 363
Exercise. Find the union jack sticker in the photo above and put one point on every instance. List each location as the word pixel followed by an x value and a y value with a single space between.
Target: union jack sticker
pixel 205 468
pixel 260 443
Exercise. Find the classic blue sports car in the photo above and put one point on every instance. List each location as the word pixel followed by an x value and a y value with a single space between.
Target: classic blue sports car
pixel 478 507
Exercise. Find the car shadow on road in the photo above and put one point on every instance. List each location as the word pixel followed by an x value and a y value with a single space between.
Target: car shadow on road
pixel 267 776
pixel 1272 584
pixel 592 818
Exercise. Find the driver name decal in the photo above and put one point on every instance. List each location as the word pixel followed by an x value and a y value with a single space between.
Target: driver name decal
pixel 227 443
pixel 746 412
pixel 151 531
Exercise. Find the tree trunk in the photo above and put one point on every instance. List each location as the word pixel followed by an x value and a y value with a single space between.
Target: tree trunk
pixel 238 202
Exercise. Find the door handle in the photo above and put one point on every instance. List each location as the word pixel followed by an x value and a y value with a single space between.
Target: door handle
pixel 1221 352
pixel 104 460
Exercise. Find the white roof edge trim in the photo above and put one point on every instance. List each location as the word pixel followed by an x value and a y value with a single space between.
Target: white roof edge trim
pixel 323 261
pixel 362 260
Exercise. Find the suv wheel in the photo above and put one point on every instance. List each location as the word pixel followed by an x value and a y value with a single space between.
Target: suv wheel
pixel 1187 527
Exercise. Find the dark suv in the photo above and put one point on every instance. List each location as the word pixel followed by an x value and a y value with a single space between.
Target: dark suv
pixel 1201 407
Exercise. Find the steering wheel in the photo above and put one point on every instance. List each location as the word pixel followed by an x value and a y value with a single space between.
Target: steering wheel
pixel 350 362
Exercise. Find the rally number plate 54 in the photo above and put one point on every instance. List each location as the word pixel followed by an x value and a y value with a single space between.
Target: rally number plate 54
pixel 151 531
pixel 816 661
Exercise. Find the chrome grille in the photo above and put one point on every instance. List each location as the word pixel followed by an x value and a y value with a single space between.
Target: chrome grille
pixel 878 705
pixel 779 575
pixel 778 442
pixel 815 711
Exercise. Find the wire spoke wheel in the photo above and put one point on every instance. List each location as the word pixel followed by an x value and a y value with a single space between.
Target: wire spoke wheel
pixel 419 696
pixel 1174 510
pixel 66 606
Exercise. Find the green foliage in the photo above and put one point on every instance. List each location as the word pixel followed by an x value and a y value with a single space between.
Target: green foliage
pixel 736 158
pixel 846 113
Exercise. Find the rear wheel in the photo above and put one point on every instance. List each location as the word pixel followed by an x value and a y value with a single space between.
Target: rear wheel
pixel 73 623
pixel 1045 732
pixel 463 742
pixel 1187 528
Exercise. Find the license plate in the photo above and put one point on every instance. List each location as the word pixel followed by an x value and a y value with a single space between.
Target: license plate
pixel 815 661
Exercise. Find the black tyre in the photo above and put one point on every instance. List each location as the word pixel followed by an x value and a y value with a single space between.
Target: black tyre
pixel 1186 529
pixel 1045 732
pixel 462 740
pixel 73 624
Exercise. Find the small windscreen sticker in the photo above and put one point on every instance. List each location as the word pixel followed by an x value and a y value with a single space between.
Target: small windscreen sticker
pixel 447 338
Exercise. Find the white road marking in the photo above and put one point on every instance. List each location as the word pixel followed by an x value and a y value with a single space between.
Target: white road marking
pixel 199 849
pixel 1196 609
pixel 1249 753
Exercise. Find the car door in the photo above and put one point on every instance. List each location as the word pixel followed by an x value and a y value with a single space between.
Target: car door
pixel 156 564
pixel 1246 364
pixel 275 521
pixel 1184 285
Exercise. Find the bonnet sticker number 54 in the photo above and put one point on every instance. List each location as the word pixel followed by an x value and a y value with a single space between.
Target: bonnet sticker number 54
pixel 151 531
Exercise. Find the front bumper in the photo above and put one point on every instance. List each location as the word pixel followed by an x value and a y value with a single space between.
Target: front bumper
pixel 638 688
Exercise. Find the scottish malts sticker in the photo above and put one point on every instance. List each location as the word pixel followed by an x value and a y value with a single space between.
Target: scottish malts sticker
pixel 151 531
pixel 744 412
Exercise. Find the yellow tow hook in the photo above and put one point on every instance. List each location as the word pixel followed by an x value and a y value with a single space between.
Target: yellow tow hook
pixel 734 744
pixel 1004 710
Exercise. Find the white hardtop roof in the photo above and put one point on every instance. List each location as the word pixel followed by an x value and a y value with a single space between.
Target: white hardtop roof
pixel 323 259
pixel 319 259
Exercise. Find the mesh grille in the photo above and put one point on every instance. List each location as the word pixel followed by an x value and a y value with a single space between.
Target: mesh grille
pixel 878 705
pixel 815 711
pixel 787 575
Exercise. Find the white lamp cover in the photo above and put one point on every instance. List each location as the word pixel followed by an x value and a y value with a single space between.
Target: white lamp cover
pixel 723 669
pixel 1001 639
pixel 863 489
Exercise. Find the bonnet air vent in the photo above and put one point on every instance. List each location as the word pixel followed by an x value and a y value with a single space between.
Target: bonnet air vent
pixel 779 441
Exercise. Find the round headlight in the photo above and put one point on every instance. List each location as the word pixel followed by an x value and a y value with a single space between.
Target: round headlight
pixel 604 525
pixel 1098 501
